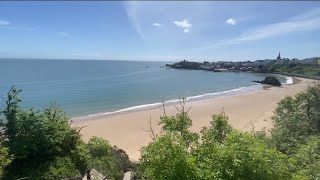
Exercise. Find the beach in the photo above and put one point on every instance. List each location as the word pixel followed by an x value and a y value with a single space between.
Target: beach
pixel 246 111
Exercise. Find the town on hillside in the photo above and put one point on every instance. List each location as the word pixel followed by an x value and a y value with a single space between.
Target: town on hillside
pixel 257 65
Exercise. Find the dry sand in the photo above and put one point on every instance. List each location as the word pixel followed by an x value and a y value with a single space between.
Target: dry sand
pixel 128 130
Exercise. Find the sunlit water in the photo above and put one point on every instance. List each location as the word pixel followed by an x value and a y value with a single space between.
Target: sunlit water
pixel 84 87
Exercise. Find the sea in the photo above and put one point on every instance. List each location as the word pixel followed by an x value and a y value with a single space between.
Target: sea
pixel 96 87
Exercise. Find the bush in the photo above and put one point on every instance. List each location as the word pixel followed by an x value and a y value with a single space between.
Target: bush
pixel 240 156
pixel 295 119
pixel 168 158
pixel 220 153
pixel 111 162
pixel 306 162
pixel 38 140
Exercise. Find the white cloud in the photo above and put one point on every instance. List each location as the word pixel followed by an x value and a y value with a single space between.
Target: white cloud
pixel 231 21
pixel 183 24
pixel 3 22
pixel 63 34
pixel 156 24
pixel 142 14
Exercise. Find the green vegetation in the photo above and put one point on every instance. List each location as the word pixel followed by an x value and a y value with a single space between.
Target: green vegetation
pixel 218 152
pixel 299 70
pixel 40 144
pixel 185 65
pixel 296 118
pixel 221 152
pixel 306 161
pixel 110 161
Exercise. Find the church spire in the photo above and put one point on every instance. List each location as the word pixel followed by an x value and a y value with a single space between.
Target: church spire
pixel 279 57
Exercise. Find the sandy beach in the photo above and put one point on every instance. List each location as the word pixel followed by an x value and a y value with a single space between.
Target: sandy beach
pixel 128 130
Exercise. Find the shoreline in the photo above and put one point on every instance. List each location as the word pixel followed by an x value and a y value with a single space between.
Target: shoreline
pixel 201 97
pixel 128 131
pixel 171 102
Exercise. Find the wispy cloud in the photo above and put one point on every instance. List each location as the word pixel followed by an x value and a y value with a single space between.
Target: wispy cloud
pixel 309 14
pixel 304 22
pixel 17 28
pixel 63 34
pixel 184 24
pixel 132 9
pixel 156 24
pixel 231 21
pixel 3 22
pixel 20 28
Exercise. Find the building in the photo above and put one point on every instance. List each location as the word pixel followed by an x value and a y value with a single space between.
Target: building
pixel 279 57
pixel 311 61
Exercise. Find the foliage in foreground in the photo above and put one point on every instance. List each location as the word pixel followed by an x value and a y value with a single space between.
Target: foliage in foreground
pixel 218 152
pixel 295 119
pixel 40 144
pixel 306 162
pixel 112 162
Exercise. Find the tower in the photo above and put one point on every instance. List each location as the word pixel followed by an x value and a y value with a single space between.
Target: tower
pixel 279 57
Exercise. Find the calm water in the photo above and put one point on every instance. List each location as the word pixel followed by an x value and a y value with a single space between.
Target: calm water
pixel 88 87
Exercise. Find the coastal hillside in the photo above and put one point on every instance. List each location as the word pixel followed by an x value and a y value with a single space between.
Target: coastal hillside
pixel 160 90
pixel 290 150
pixel 308 68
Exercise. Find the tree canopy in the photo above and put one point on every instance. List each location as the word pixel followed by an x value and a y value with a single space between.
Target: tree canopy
pixel 40 144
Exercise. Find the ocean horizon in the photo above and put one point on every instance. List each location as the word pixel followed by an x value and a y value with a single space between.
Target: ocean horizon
pixel 100 87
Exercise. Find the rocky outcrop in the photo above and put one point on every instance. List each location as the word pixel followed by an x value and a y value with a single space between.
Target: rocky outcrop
pixel 270 80
pixel 185 65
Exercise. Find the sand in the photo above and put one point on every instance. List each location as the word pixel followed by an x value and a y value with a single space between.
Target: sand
pixel 248 111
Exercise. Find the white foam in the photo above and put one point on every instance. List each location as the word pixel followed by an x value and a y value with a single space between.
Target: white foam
pixel 172 101
pixel 289 80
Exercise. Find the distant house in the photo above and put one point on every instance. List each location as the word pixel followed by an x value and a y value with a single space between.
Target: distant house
pixel 311 61
pixel 206 63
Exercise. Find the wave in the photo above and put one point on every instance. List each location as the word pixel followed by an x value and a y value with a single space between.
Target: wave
pixel 289 80
pixel 173 101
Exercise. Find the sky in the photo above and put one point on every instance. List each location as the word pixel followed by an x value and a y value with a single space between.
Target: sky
pixel 160 31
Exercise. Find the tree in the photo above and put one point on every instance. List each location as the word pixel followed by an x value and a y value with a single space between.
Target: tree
pixel 306 162
pixel 218 130
pixel 295 119
pixel 5 159
pixel 240 156
pixel 110 161
pixel 180 123
pixel 168 158
pixel 225 153
pixel 38 140
pixel 44 146
pixel 220 153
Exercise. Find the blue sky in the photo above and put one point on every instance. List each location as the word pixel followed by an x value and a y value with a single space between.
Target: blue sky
pixel 159 31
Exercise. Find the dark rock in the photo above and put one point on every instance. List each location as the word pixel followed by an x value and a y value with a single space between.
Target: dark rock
pixel 270 80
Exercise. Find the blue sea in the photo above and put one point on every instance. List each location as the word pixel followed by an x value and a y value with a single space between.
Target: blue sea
pixel 85 87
